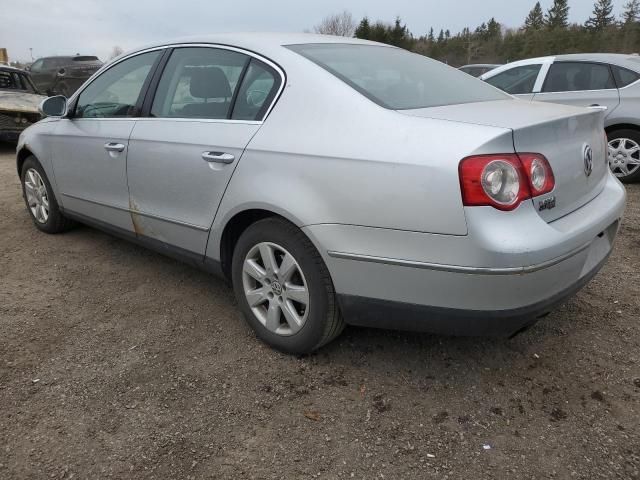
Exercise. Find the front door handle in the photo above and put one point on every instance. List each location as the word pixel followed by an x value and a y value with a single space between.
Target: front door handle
pixel 114 147
pixel 218 157
pixel 595 106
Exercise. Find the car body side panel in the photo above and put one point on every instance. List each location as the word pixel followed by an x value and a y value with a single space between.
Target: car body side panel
pixel 607 98
pixel 403 170
pixel 427 269
pixel 174 192
pixel 627 111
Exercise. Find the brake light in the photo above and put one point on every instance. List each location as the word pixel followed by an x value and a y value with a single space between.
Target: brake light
pixel 504 181
pixel 539 173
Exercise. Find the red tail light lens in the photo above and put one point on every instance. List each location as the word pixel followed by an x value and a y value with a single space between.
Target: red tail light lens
pixel 539 173
pixel 504 181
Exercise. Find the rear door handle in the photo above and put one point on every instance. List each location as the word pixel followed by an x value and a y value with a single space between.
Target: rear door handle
pixel 114 147
pixel 218 157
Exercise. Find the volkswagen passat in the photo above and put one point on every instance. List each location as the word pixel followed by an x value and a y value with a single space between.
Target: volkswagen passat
pixel 332 181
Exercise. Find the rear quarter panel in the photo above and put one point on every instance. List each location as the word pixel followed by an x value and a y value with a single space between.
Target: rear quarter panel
pixel 328 155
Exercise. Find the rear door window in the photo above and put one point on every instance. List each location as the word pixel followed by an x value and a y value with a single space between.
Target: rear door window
pixel 259 86
pixel 578 76
pixel 624 76
pixel 518 80
pixel 199 82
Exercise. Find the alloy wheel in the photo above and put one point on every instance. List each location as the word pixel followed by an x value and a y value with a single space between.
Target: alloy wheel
pixel 275 288
pixel 624 156
pixel 37 196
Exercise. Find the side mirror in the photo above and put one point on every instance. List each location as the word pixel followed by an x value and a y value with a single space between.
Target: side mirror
pixel 53 106
pixel 28 68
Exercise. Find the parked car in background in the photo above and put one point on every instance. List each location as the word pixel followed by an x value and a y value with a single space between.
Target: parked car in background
pixel 586 80
pixel 478 69
pixel 333 180
pixel 63 75
pixel 19 101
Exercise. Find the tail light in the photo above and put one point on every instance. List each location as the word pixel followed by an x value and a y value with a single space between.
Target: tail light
pixel 504 181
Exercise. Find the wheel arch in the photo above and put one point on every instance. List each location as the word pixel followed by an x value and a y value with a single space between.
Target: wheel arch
pixel 22 155
pixel 236 225
pixel 621 126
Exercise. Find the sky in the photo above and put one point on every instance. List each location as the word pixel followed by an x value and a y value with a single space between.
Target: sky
pixel 63 27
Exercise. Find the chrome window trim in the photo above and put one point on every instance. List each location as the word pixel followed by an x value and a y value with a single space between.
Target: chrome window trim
pixel 257 56
pixel 138 212
pixel 459 268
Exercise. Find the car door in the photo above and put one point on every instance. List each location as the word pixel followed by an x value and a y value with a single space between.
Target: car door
pixel 90 144
pixel 519 80
pixel 583 84
pixel 38 76
pixel 208 104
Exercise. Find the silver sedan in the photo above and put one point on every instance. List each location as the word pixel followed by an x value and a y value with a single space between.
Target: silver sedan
pixel 332 181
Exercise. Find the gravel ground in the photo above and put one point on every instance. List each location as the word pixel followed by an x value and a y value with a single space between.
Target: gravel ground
pixel 116 362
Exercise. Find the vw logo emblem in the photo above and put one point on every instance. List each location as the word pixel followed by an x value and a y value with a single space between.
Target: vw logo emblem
pixel 588 160
pixel 277 288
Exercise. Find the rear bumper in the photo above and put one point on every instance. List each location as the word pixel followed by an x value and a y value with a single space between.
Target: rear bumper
pixel 376 313
pixel 507 272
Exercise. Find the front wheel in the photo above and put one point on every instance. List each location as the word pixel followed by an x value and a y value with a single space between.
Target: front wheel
pixel 40 200
pixel 284 288
pixel 624 154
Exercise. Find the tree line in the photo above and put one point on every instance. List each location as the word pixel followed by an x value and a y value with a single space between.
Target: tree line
pixel 542 33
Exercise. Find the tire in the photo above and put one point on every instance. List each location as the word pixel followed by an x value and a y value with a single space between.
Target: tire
pixel 614 138
pixel 320 319
pixel 54 222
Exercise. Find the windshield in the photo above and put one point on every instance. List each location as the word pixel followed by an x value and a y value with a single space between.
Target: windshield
pixel 397 79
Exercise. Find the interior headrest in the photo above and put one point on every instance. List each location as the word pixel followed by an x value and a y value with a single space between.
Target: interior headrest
pixel 209 82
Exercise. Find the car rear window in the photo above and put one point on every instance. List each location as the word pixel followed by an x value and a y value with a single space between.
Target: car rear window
pixel 398 79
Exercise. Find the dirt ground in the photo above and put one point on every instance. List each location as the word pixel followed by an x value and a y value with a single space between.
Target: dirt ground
pixel 116 362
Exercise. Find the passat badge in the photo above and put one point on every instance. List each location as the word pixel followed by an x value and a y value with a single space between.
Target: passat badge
pixel 588 160
pixel 546 204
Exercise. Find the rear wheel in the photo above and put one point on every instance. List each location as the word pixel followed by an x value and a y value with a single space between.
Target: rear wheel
pixel 624 154
pixel 39 198
pixel 283 287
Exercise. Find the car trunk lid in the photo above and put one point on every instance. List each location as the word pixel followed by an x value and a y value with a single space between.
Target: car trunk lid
pixel 572 139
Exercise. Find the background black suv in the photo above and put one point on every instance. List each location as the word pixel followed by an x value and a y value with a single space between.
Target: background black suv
pixel 63 75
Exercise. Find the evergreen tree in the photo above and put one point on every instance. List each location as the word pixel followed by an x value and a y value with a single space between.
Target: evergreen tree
pixel 493 28
pixel 441 36
pixel 363 30
pixel 631 13
pixel 602 15
pixel 535 19
pixel 558 14
pixel 431 38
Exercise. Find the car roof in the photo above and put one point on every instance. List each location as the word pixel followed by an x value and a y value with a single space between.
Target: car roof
pixel 265 43
pixel 621 59
pixel 11 69
pixel 481 65
pixel 631 62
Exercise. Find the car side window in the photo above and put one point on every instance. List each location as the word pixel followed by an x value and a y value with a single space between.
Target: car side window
pixel 518 80
pixel 8 81
pixel 115 93
pixel 259 86
pixel 37 65
pixel 624 76
pixel 199 82
pixel 578 76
